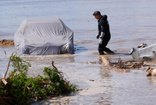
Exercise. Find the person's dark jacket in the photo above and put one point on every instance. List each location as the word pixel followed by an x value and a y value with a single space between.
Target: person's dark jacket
pixel 103 26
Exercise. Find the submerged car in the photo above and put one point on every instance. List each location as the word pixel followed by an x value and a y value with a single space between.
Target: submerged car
pixel 43 37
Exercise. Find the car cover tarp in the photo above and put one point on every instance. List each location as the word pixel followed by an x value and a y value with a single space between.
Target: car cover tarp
pixel 43 37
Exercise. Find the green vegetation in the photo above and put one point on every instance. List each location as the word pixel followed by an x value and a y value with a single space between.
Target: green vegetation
pixel 21 89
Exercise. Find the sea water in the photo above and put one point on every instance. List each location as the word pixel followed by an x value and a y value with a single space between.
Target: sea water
pixel 132 22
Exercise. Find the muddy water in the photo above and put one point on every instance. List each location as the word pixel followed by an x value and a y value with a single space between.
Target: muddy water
pixel 131 23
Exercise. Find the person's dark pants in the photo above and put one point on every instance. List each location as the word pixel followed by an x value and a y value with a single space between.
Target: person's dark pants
pixel 102 45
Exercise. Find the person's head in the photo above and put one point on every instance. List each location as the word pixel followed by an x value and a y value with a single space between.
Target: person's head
pixel 97 14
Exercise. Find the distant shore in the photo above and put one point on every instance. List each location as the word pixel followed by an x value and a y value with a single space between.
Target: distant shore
pixel 7 43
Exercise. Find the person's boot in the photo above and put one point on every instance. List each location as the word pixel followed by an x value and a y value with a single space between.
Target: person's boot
pixel 110 52
pixel 100 49
pixel 101 53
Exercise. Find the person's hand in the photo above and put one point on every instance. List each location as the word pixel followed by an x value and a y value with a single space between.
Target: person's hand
pixel 97 36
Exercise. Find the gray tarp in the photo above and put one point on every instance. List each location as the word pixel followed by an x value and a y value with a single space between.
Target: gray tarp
pixel 145 53
pixel 43 37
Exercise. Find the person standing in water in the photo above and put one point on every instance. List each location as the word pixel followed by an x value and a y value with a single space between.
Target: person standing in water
pixel 103 33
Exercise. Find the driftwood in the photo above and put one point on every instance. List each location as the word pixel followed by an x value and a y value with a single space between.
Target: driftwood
pixel 151 71
pixel 105 60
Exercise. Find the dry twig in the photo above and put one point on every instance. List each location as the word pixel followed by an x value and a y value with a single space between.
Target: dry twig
pixel 8 66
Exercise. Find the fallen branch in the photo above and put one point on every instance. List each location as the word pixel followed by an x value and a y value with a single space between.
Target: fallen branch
pixel 54 67
pixel 52 83
pixel 7 67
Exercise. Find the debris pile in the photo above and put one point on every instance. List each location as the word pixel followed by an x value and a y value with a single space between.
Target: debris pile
pixel 124 65
pixel 131 64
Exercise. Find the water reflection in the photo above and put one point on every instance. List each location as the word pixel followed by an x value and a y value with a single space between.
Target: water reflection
pixel 79 49
pixel 38 62
pixel 105 73
pixel 106 80
pixel 4 58
pixel 152 80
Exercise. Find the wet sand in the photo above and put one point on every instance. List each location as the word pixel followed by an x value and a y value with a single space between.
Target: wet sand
pixel 131 23
pixel 97 85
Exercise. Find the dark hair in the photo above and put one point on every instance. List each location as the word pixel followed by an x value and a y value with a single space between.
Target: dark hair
pixel 96 13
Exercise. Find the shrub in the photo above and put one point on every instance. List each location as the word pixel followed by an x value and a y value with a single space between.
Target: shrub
pixel 21 89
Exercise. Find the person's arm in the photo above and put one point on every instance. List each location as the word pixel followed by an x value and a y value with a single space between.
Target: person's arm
pixel 99 31
pixel 104 24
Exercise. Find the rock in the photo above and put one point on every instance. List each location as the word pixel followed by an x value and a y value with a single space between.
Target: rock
pixel 151 71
